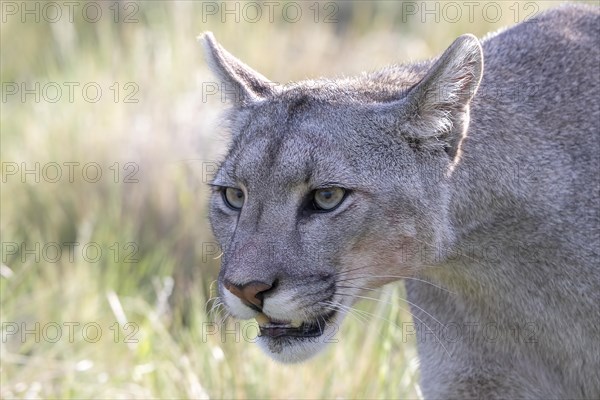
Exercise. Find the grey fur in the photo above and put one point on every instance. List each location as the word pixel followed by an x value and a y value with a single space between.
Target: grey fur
pixel 488 189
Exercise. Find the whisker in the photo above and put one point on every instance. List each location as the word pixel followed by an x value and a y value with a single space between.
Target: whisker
pixel 399 298
pixel 408 311
pixel 318 323
pixel 398 277
pixel 216 311
pixel 347 271
pixel 223 320
pixel 373 315
pixel 336 306
pixel 216 302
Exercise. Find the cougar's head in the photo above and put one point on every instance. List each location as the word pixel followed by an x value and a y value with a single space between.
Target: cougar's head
pixel 333 187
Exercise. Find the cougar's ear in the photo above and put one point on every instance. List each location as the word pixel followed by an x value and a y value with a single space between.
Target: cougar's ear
pixel 438 106
pixel 238 81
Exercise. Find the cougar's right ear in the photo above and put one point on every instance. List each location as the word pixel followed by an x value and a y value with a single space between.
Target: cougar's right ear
pixel 238 80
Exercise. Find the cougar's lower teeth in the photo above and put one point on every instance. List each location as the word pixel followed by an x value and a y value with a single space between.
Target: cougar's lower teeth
pixel 262 319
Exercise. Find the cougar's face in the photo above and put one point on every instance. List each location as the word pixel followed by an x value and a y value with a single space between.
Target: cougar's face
pixel 305 224
pixel 334 187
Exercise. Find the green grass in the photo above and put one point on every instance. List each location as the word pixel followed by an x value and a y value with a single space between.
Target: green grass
pixel 168 134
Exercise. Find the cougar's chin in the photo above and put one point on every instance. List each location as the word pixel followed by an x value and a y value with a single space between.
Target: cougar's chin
pixel 293 342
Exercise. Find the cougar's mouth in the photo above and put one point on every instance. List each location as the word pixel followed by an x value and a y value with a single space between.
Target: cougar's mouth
pixel 294 341
pixel 299 329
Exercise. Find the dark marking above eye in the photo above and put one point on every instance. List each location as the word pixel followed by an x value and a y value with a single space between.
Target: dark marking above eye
pixel 297 105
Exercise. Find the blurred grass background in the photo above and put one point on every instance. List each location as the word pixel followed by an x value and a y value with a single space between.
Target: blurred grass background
pixel 170 135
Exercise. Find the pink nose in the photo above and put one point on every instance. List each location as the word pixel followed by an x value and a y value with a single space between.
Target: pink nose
pixel 250 293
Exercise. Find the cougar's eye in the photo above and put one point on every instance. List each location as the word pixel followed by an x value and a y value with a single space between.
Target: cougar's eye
pixel 233 197
pixel 329 198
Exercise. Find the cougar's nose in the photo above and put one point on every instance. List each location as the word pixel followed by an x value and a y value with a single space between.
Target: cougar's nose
pixel 251 293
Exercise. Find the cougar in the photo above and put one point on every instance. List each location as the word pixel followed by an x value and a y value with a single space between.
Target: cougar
pixel 473 177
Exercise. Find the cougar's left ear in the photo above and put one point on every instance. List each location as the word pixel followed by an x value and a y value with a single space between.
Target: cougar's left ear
pixel 438 106
pixel 238 80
